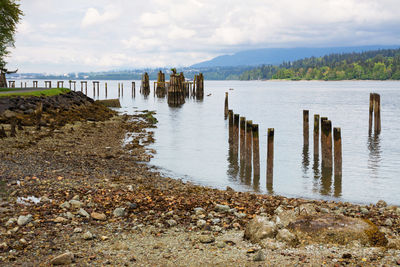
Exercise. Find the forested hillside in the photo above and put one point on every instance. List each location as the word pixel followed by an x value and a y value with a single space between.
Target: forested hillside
pixel 370 65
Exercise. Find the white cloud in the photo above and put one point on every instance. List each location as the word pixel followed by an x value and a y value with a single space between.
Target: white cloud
pixel 95 35
pixel 93 17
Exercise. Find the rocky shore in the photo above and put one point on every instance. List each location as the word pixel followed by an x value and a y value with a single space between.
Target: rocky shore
pixel 78 192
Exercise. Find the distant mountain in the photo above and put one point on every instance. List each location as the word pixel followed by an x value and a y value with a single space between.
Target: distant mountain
pixel 276 56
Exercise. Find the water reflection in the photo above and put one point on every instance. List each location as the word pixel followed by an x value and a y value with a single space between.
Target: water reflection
pixel 305 160
pixel 326 181
pixel 317 174
pixel 374 158
pixel 337 185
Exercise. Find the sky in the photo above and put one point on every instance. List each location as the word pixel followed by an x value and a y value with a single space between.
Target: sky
pixel 59 36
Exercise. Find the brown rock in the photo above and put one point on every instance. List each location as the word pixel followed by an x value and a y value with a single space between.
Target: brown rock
pixel 258 228
pixel 63 259
pixel 98 216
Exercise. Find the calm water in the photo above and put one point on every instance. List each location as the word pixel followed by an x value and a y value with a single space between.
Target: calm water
pixel 192 141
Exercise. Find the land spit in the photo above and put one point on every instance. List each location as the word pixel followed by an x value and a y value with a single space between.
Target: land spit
pixel 79 192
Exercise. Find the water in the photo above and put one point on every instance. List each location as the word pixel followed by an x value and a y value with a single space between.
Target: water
pixel 192 141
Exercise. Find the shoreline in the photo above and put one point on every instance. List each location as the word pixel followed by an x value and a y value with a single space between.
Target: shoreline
pixel 100 203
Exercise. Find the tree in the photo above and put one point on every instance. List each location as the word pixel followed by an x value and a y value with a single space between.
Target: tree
pixel 10 15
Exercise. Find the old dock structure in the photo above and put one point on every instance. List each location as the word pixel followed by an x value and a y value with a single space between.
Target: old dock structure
pixel 176 94
pixel 145 86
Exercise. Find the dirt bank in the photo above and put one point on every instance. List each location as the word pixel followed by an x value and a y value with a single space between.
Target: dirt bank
pixel 76 188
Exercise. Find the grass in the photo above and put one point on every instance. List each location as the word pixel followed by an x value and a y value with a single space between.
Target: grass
pixel 46 92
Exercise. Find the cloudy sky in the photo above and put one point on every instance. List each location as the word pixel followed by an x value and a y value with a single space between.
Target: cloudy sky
pixel 59 36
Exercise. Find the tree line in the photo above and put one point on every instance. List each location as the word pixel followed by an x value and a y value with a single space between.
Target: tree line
pixel 370 65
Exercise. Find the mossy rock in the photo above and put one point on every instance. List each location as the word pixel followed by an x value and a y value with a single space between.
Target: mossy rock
pixel 110 103
pixel 337 229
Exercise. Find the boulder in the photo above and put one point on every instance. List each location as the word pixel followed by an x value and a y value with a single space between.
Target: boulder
pixel 258 228
pixel 62 259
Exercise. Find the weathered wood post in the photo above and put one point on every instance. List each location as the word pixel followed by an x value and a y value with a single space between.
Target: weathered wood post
pixel 160 88
pixel 377 111
pixel 145 87
pixel 371 111
pixel 176 95
pixel 226 105
pixel 230 123
pixel 316 135
pixel 326 131
pixel 85 87
pixel 270 159
pixel 119 90
pixel 105 89
pixel 122 89
pixel 199 86
pixel 337 138
pixel 98 89
pixel 306 127
pixel 133 90
pixel 94 89
pixel 249 145
pixel 13 125
pixel 256 153
pixel 242 138
pixel 235 135
pixel 322 138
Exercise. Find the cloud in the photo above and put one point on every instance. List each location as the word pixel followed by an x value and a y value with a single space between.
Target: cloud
pixel 93 17
pixel 93 35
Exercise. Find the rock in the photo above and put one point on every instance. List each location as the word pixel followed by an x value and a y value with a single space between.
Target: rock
pixel 3 246
pixel 347 256
pixel 199 211
pixel 22 220
pixel 60 220
pixel 259 228
pixel 286 217
pixel 305 209
pixel 62 259
pixel 98 216
pixel 206 239
pixel 393 243
pixel 75 204
pixel 10 222
pixel 103 237
pixel 278 210
pixel 119 212
pixel 364 210
pixel 65 205
pixel 78 230
pixel 69 215
pixel 286 236
pixel 87 236
pixel 381 204
pixel 222 208
pixel 240 215
pixel 388 222
pixel 342 230
pixel 324 210
pixel 171 222
pixel 216 220
pixel 216 228
pixel 76 197
pixel 221 244
pixel 83 213
pixel 260 256
pixel 8 114
pixel 201 223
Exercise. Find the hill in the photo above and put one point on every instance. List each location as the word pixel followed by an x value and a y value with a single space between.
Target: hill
pixel 371 65
pixel 275 56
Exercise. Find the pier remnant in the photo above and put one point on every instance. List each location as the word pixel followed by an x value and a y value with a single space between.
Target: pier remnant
pixel 242 138
pixel 256 152
pixel 337 144
pixel 316 135
pixel 326 142
pixel 306 127
pixel 226 105
pixel 377 113
pixel 270 159
pixel 230 123
pixel 176 95
pixel 160 85
pixel 145 87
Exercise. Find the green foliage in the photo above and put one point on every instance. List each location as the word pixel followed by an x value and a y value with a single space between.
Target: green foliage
pixel 371 65
pixel 47 92
pixel 10 15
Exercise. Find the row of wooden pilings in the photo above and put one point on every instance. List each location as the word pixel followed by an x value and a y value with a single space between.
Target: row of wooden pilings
pixel 244 145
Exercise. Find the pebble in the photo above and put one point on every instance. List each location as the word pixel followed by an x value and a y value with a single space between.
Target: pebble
pixel 83 213
pixel 3 246
pixel 119 212
pixel 10 222
pixel 324 210
pixel 364 210
pixel 87 236
pixel 60 220
pixel 206 239
pixel 65 205
pixel 75 204
pixel 199 211
pixel 78 230
pixel 62 259
pixel 222 208
pixel 216 221
pixel 201 223
pixel 22 220
pixel 216 228
pixel 221 244
pixel 388 222
pixel 98 216
pixel 69 215
pixel 240 215
pixel 381 204
pixel 172 222
pixel 76 197
pixel 260 256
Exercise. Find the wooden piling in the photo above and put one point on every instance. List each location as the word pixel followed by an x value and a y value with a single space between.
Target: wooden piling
pixel 326 132
pixel 242 138
pixel 122 89
pixel 322 137
pixel 199 85
pixel 133 89
pixel 119 90
pixel 371 111
pixel 377 113
pixel 337 138
pixel 226 105
pixel 105 89
pixel 316 135
pixel 249 145
pixel 230 123
pixel 13 125
pixel 270 159
pixel 176 94
pixel 145 87
pixel 160 85
pixel 256 152
pixel 235 134
pixel 306 127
